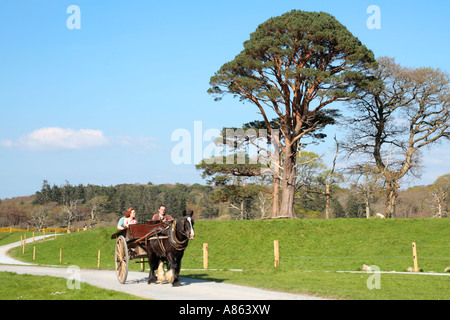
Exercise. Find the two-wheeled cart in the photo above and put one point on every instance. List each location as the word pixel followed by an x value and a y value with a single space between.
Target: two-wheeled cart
pixel 131 244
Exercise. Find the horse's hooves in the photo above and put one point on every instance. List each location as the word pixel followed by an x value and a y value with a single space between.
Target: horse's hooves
pixel 176 284
pixel 152 281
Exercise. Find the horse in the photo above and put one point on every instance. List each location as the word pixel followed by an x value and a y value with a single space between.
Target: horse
pixel 168 246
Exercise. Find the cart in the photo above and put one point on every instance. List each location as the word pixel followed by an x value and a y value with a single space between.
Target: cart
pixel 131 244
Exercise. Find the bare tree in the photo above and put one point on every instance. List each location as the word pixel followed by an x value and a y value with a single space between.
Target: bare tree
pixel 406 110
pixel 439 196
pixel 440 191
pixel 368 181
pixel 39 217
pixel 70 212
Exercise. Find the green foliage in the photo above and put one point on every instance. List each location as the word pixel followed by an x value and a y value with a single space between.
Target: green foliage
pixel 145 199
pixel 306 48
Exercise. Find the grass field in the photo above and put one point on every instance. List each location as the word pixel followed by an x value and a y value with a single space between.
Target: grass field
pixel 311 252
pixel 28 287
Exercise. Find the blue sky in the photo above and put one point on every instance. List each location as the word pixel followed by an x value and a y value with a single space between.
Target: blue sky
pixel 99 104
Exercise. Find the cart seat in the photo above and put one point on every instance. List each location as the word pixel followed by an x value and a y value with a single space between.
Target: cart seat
pixel 136 231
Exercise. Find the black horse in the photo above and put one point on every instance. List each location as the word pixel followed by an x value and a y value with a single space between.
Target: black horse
pixel 169 246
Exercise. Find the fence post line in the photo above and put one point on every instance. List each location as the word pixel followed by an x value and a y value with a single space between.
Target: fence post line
pixel 276 252
pixel 205 256
pixel 416 264
pixel 98 259
pixel 34 253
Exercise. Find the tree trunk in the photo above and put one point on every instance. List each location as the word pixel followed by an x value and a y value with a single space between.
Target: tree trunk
pixel 288 182
pixel 276 197
pixel 327 201
pixel 367 207
pixel 276 173
pixel 391 199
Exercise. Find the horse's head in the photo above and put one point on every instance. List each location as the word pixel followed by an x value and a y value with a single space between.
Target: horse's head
pixel 187 224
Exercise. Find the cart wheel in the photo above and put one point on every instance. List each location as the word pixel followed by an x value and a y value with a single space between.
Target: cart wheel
pixel 121 259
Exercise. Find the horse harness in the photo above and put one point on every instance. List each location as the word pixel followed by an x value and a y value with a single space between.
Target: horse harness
pixel 173 240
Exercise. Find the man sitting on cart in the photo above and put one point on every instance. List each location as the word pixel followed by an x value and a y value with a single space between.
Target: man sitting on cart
pixel 161 215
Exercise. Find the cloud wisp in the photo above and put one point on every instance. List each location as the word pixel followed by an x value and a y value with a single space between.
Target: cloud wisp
pixel 60 139
pixel 55 139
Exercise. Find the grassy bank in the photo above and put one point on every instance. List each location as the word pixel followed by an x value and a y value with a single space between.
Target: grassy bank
pixel 311 253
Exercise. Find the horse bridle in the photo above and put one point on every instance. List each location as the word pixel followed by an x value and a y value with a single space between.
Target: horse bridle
pixel 173 240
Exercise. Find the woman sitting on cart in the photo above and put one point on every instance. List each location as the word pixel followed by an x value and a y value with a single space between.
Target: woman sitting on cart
pixel 130 218
pixel 161 215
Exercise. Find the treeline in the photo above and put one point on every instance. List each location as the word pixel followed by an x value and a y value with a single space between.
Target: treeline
pixel 145 199
pixel 77 205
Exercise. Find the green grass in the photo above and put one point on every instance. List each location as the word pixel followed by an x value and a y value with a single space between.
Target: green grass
pixel 336 285
pixel 311 253
pixel 28 287
pixel 7 238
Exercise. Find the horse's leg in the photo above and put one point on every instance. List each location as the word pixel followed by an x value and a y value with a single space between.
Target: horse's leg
pixel 153 262
pixel 170 272
pixel 176 273
pixel 175 268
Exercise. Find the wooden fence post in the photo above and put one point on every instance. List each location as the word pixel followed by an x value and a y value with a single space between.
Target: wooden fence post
pixel 98 259
pixel 276 252
pixel 416 264
pixel 205 256
pixel 34 253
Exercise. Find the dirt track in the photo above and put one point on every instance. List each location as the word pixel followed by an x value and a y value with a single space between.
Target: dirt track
pixel 136 284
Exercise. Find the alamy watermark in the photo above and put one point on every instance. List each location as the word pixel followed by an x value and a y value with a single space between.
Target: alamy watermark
pixel 233 146
pixel 374 281
pixel 74 20
pixel 374 20
pixel 74 279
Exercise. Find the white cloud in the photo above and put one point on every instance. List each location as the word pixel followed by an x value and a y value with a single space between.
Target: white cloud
pixel 57 139
pixel 54 138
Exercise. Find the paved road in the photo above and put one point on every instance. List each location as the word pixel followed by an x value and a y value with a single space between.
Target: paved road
pixel 136 284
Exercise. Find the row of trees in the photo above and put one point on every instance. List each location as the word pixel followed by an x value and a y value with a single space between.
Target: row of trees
pixel 295 66
pixel 67 205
